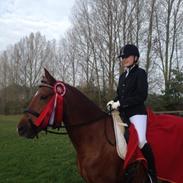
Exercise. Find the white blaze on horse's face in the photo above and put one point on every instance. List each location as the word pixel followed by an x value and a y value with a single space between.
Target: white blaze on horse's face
pixel 36 93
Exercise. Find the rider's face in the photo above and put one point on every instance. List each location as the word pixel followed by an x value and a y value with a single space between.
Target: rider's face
pixel 126 62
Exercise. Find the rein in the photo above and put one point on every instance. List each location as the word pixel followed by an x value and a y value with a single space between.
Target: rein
pixel 34 113
pixel 81 125
pixel 72 126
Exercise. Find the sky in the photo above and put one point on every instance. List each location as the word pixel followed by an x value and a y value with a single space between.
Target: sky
pixel 18 18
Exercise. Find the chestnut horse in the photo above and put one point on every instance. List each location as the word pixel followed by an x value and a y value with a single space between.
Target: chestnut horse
pixel 90 130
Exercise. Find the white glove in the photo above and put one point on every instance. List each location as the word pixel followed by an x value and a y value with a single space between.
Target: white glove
pixel 109 105
pixel 115 105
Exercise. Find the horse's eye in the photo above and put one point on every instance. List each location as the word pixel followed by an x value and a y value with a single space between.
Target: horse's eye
pixel 43 97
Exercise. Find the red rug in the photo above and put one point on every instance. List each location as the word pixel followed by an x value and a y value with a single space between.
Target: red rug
pixel 165 135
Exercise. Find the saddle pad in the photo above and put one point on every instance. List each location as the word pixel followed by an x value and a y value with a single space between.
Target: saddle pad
pixel 119 129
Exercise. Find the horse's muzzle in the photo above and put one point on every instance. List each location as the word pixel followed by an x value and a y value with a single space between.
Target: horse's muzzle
pixel 26 129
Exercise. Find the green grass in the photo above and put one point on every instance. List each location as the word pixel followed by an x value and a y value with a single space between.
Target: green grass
pixel 50 159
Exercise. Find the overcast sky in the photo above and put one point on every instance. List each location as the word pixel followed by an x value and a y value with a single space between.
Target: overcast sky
pixel 18 18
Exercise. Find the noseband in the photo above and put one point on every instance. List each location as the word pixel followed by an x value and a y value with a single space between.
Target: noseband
pixel 30 111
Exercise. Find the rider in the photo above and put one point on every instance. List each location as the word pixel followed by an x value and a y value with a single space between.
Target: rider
pixel 132 91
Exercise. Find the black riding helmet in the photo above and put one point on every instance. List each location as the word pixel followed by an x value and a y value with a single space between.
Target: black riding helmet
pixel 129 50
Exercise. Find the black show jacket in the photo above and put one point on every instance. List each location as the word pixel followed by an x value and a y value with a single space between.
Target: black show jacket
pixel 132 92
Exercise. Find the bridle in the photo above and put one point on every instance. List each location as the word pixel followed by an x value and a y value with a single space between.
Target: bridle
pixel 30 111
pixel 36 114
pixel 65 126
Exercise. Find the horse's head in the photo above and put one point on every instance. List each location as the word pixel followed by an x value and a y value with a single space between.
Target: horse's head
pixel 31 124
pixel 56 102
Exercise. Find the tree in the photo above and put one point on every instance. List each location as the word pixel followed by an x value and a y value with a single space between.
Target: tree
pixel 174 92
pixel 168 27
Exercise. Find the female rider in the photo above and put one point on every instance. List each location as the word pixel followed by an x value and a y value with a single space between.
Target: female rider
pixel 132 92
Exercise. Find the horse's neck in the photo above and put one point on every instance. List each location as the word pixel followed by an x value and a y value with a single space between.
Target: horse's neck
pixel 80 109
pixel 84 120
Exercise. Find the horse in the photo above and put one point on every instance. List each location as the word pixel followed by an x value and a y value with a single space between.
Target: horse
pixel 90 130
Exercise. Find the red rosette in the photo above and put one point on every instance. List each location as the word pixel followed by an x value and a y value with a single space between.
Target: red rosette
pixel 59 88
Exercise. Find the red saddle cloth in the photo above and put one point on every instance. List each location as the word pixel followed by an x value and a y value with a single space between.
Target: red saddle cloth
pixel 165 135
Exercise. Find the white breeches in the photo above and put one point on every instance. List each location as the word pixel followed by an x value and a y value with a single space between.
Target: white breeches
pixel 140 123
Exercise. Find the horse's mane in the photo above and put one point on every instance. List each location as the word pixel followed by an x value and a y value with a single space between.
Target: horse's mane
pixel 76 103
pixel 83 103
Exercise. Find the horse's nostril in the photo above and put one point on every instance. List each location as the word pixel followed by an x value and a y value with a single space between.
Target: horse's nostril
pixel 21 130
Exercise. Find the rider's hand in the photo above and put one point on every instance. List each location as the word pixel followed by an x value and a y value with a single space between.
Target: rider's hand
pixel 109 105
pixel 115 105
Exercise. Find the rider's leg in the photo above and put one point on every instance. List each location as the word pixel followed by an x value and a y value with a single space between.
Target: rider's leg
pixel 140 123
pixel 148 154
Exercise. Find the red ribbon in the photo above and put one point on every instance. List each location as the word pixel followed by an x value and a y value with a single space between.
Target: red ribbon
pixel 44 118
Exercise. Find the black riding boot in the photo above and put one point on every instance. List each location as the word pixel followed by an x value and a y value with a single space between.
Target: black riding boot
pixel 148 154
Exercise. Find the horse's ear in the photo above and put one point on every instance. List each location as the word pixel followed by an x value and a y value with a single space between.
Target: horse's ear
pixel 49 77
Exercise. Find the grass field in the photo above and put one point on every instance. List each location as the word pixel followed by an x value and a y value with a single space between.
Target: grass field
pixel 50 159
